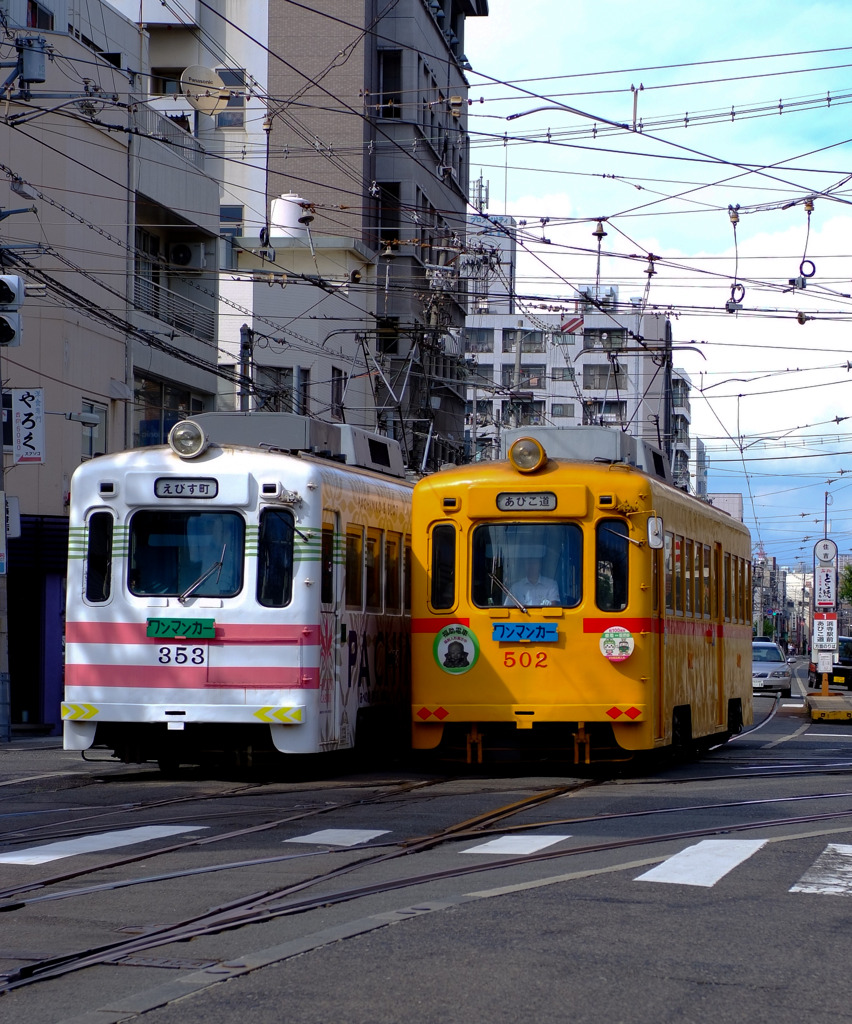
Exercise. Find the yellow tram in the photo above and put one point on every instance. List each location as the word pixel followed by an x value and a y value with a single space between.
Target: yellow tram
pixel 571 600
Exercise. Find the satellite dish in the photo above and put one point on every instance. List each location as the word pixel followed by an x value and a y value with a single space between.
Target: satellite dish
pixel 204 89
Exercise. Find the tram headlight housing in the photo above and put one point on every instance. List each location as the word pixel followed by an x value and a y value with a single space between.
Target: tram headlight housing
pixel 527 455
pixel 187 439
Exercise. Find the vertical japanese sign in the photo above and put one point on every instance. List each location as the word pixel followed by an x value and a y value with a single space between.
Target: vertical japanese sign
pixel 825 593
pixel 28 424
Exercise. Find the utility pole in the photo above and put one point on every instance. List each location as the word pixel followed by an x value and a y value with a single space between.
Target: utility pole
pixel 10 334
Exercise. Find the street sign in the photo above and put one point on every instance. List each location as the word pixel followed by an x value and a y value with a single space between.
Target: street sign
pixel 825 631
pixel 825 662
pixel 825 550
pixel 825 586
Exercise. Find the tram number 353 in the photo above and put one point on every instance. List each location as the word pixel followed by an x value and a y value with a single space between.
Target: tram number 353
pixel 179 655
pixel 525 659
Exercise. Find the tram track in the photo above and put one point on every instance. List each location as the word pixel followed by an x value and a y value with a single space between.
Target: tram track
pixel 265 906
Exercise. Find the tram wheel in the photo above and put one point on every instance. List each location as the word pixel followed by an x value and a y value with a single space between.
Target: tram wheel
pixel 682 746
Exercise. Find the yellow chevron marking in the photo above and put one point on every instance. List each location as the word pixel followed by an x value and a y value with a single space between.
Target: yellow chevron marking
pixel 78 712
pixel 280 716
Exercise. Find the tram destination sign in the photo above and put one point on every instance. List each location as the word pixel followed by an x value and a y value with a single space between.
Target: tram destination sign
pixel 825 631
pixel 526 501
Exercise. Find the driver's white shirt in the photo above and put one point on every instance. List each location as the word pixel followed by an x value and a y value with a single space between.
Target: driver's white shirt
pixel 542 593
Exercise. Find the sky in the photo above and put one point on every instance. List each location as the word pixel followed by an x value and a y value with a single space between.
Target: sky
pixel 742 114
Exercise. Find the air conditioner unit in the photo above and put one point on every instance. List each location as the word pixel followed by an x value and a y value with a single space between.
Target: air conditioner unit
pixel 189 255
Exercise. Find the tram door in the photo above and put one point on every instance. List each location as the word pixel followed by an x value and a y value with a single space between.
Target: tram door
pixel 332 643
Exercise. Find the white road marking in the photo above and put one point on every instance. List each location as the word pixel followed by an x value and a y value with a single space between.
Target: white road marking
pixel 517 846
pixel 705 863
pixel 339 836
pixel 830 874
pixel 94 844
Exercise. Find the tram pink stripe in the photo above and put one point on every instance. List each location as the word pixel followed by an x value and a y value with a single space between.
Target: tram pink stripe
pixel 188 678
pixel 134 633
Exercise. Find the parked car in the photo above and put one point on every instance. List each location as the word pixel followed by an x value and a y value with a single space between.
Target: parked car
pixel 762 640
pixel 841 674
pixel 770 671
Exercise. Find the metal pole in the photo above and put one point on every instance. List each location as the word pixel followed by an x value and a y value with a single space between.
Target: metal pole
pixel 5 682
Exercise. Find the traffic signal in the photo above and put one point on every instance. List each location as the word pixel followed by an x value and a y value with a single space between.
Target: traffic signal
pixel 12 290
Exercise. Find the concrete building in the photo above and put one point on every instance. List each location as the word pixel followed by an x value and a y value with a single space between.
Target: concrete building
pixel 598 365
pixel 122 336
pixel 360 112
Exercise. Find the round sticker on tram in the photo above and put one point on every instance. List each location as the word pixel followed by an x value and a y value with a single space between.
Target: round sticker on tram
pixel 456 649
pixel 617 643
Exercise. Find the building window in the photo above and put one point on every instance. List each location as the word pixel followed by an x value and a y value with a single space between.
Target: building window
pixel 302 396
pixel 274 388
pixel 562 409
pixel 562 373
pixel 531 341
pixel 605 376
pixel 94 437
pixel 147 269
pixel 604 412
pixel 157 406
pixel 482 374
pixel 234 115
pixel 38 16
pixel 608 338
pixel 390 83
pixel 166 81
pixel 387 336
pixel 338 388
pixel 231 220
pixel 389 213
pixel 530 376
pixel 480 339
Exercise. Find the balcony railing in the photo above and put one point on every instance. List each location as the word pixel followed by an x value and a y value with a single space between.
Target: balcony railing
pixel 154 125
pixel 173 309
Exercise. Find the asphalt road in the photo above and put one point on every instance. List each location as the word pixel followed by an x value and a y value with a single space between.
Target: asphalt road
pixel 714 890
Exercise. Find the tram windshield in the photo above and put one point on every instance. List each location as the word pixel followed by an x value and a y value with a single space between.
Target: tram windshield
pixel 171 550
pixel 525 565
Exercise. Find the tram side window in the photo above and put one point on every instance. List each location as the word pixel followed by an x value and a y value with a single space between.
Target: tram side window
pixel 669 571
pixel 527 565
pixel 373 569
pixel 393 542
pixel 708 579
pixel 612 561
pixel 687 572
pixel 406 580
pixel 354 566
pixel 99 557
pixel 275 558
pixel 442 593
pixel 698 579
pixel 678 575
pixel 726 585
pixel 327 570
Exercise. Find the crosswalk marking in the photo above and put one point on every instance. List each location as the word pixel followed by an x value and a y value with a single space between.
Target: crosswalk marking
pixel 705 863
pixel 831 872
pixel 516 845
pixel 94 844
pixel 339 836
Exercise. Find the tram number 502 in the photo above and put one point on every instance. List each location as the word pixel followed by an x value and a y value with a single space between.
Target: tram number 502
pixel 179 655
pixel 525 659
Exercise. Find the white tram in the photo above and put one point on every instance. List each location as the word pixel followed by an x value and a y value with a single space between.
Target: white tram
pixel 245 589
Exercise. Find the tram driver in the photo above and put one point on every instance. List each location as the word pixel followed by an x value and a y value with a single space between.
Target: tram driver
pixel 533 589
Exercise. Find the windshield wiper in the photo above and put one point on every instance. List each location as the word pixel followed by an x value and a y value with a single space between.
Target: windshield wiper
pixel 204 576
pixel 508 593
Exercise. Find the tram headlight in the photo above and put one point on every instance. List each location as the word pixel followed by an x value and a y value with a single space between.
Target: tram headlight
pixel 527 455
pixel 187 439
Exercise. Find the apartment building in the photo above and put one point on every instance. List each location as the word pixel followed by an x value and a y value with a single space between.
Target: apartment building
pixel 604 363
pixel 111 216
